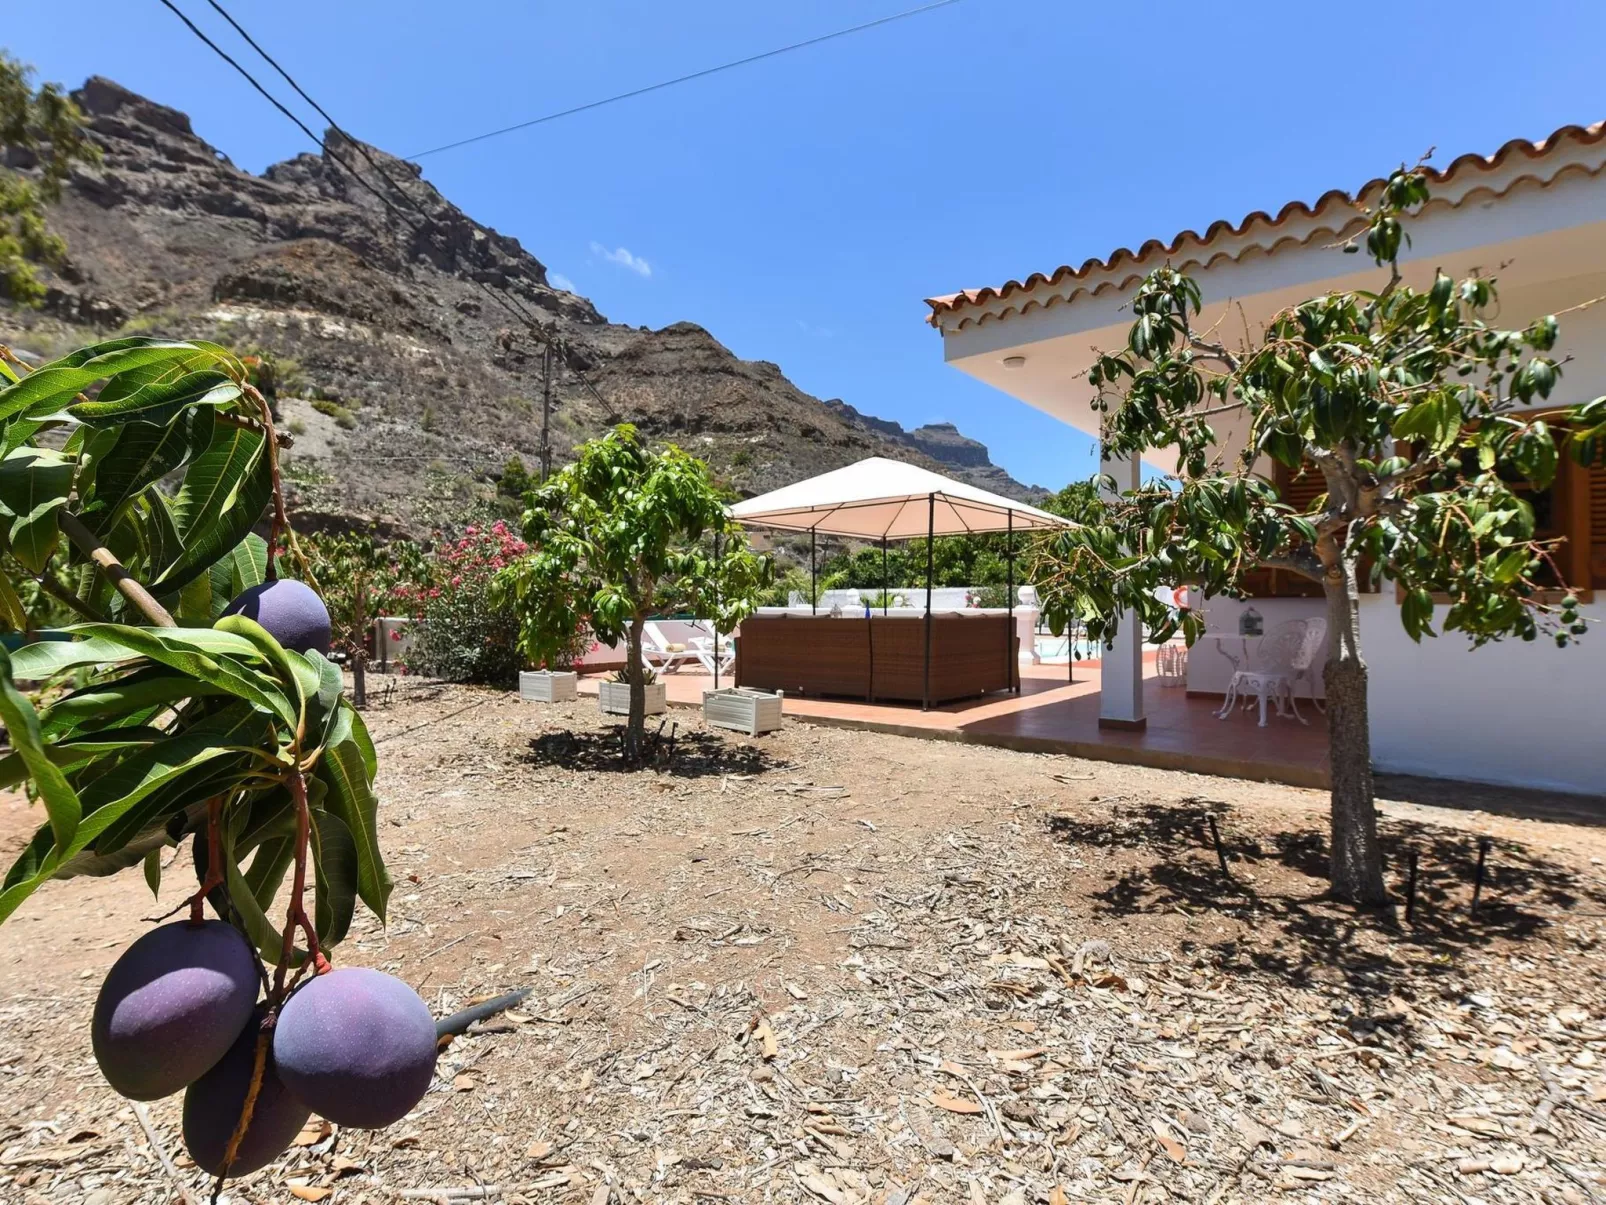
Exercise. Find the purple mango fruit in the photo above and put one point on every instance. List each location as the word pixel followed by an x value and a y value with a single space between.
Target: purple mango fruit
pixel 172 1006
pixel 356 1046
pixel 291 611
pixel 212 1106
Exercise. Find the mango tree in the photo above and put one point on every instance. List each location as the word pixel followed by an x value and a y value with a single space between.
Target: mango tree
pixel 1420 417
pixel 623 534
pixel 196 699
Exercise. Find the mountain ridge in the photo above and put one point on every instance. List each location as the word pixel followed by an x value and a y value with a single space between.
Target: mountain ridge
pixel 411 387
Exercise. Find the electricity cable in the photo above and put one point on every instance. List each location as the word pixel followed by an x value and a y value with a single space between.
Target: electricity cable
pixel 510 305
pixel 683 79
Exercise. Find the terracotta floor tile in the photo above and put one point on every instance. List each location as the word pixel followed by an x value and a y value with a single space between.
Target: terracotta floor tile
pixel 1052 715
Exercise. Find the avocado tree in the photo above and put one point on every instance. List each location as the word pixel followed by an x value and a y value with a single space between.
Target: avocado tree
pixel 1420 418
pixel 623 534
pixel 195 698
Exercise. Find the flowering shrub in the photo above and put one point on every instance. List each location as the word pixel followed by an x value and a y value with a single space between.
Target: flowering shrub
pixel 457 634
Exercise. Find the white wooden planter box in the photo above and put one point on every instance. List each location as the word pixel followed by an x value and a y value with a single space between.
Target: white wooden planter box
pixel 749 711
pixel 544 687
pixel 613 698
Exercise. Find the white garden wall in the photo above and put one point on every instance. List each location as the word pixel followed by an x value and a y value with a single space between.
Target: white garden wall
pixel 1529 715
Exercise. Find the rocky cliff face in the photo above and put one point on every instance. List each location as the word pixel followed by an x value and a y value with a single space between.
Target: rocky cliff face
pixel 425 386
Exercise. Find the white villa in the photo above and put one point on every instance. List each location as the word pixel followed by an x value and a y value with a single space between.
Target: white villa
pixel 1532 214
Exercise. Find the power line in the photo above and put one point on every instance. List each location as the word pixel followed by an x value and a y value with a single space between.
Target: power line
pixel 521 314
pixel 682 79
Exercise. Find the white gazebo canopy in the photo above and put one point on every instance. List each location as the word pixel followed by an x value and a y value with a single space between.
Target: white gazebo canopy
pixel 881 499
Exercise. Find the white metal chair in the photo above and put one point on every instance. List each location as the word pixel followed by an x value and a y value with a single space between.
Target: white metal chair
pixel 1171 663
pixel 670 657
pixel 1284 656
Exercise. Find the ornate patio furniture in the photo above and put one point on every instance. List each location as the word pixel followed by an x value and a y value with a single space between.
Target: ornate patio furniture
pixel 1283 657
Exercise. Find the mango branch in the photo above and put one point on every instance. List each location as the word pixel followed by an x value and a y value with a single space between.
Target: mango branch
pixel 88 543
pixel 279 522
pixel 248 1107
pixel 61 594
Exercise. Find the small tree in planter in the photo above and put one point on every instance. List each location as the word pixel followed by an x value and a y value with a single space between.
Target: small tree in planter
pixel 1417 414
pixel 620 535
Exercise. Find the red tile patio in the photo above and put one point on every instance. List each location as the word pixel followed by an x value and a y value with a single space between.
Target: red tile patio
pixel 1051 715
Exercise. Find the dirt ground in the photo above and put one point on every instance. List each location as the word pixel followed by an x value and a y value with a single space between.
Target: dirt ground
pixel 840 966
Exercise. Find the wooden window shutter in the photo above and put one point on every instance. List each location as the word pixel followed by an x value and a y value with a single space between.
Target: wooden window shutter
pixel 1594 488
pixel 1299 491
pixel 1302 489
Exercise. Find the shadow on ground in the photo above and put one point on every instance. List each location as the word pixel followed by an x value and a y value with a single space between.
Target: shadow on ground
pixel 1277 884
pixel 672 751
pixel 1518 802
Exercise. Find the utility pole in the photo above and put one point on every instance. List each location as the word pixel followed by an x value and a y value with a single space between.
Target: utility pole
pixel 546 410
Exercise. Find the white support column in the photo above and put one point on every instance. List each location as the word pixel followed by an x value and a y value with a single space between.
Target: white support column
pixel 1121 670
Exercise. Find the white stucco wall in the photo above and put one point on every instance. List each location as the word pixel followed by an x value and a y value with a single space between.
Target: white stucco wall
pixel 1525 715
pixel 1529 715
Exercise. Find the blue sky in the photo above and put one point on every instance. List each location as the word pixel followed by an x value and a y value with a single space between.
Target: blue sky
pixel 802 207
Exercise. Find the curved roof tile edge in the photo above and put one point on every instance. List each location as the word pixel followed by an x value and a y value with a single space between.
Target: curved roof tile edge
pixel 1334 232
pixel 949 303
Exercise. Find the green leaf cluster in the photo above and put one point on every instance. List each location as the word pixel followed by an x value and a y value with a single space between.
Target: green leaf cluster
pixel 624 533
pixel 158 454
pixel 1422 419
pixel 47 129
pixel 167 719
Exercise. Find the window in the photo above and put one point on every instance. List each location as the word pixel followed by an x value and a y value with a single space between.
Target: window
pixel 1573 510
pixel 1589 522
pixel 1300 490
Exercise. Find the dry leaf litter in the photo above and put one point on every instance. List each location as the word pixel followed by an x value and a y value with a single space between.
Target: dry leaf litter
pixel 849 967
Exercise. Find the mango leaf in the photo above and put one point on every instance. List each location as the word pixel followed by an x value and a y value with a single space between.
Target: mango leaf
pixel 323 699
pixel 153 872
pixel 224 492
pixel 12 613
pixel 267 939
pixel 54 385
pixel 34 486
pixel 61 802
pixel 156 397
pixel 142 455
pixel 268 865
pixel 71 754
pixel 350 797
pixel 111 799
pixel 205 760
pixel 334 855
pixel 194 606
pixel 30 869
pixel 220 659
pixel 243 566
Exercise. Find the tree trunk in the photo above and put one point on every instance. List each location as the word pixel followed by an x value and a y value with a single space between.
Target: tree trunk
pixel 635 671
pixel 359 645
pixel 1356 868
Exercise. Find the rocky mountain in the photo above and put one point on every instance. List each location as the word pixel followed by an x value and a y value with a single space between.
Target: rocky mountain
pixel 409 386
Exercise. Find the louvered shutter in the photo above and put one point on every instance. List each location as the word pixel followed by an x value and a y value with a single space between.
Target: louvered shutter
pixel 1597 520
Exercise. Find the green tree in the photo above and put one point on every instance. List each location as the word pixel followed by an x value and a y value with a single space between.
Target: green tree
pixel 45 128
pixel 170 718
pixel 515 480
pixel 620 535
pixel 1418 415
pixel 357 575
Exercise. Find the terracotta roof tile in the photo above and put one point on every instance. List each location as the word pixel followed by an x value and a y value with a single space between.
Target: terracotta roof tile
pixel 1196 243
